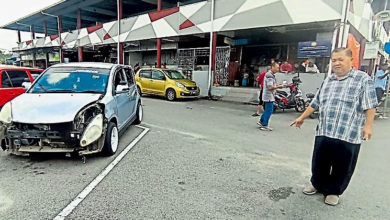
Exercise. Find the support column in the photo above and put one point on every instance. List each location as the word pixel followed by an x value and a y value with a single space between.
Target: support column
pixel 19 41
pixel 159 6
pixel 213 57
pixel 34 56
pixel 46 54
pixel 120 45
pixel 80 49
pixel 59 33
pixel 45 28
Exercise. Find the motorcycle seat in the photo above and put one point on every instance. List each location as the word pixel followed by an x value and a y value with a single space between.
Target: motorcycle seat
pixel 310 95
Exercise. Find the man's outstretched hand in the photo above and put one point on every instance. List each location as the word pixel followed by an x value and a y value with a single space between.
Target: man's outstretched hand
pixel 298 122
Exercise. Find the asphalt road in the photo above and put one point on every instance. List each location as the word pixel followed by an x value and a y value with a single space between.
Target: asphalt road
pixel 200 160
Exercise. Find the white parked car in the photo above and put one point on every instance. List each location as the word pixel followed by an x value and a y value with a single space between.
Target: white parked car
pixel 74 107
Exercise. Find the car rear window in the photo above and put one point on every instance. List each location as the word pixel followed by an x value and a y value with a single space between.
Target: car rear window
pixel 18 77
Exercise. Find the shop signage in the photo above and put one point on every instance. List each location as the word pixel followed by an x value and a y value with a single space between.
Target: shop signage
pixel 314 49
pixel 228 41
pixel 241 42
pixel 371 50
pixel 383 16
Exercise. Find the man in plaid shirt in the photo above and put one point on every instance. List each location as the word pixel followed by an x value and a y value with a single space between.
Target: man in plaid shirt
pixel 346 102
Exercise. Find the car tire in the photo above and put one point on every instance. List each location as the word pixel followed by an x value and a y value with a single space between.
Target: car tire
pixel 139 114
pixel 139 91
pixel 111 140
pixel 170 94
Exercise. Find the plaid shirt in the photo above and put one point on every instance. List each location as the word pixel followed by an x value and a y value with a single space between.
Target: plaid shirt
pixel 342 105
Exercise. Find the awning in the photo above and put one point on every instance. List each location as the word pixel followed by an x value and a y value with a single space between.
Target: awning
pixel 92 12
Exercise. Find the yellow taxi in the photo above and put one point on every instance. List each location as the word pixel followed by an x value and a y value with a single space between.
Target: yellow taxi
pixel 165 82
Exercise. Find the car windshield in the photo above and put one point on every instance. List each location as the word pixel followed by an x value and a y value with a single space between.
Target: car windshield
pixel 173 74
pixel 72 80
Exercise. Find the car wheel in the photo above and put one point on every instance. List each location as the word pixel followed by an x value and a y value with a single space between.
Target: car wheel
pixel 171 94
pixel 140 114
pixel 139 90
pixel 111 141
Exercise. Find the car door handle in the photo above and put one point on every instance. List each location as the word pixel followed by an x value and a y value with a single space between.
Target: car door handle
pixel 12 93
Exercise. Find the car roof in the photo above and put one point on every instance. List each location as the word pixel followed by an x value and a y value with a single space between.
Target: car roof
pixel 87 64
pixel 17 67
pixel 155 68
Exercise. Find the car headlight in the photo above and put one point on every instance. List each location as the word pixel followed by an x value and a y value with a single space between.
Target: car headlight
pixel 180 85
pixel 93 131
pixel 6 113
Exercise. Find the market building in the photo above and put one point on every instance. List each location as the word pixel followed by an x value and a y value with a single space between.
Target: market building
pixel 239 38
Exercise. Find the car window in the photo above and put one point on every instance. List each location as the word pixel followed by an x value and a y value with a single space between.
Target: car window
pixel 35 73
pixel 72 80
pixel 157 75
pixel 173 74
pixel 129 75
pixel 17 77
pixel 119 77
pixel 5 81
pixel 145 74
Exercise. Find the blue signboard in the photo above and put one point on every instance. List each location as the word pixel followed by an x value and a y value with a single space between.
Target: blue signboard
pixel 387 47
pixel 314 49
pixel 241 42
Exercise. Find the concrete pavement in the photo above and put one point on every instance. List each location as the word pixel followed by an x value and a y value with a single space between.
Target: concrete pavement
pixel 201 160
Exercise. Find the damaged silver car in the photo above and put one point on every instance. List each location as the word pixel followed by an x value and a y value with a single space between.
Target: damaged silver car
pixel 72 108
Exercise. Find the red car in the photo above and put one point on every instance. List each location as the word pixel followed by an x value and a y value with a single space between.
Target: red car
pixel 11 78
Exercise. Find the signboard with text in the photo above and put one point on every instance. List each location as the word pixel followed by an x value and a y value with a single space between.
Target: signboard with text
pixel 314 49
pixel 371 50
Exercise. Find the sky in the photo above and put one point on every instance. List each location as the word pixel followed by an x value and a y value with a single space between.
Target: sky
pixel 13 10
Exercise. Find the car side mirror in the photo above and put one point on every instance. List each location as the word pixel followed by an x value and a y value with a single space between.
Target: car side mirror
pixel 162 78
pixel 122 88
pixel 26 85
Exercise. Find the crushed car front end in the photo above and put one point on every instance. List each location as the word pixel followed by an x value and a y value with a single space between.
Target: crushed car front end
pixel 84 135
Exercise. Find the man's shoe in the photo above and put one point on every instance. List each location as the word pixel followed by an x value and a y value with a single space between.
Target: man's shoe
pixel 255 114
pixel 332 200
pixel 259 124
pixel 266 128
pixel 309 190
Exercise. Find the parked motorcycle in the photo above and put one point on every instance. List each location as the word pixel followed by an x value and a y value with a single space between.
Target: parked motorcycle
pixel 310 97
pixel 283 100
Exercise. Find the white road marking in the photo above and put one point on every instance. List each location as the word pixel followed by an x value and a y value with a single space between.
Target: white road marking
pixel 193 135
pixel 80 197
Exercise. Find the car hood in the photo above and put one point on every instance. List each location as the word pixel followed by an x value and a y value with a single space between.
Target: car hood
pixel 49 108
pixel 186 82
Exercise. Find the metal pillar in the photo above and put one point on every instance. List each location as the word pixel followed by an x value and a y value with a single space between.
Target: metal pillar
pixel 159 6
pixel 59 33
pixel 19 41
pixel 211 48
pixel 80 49
pixel 34 57
pixel 120 45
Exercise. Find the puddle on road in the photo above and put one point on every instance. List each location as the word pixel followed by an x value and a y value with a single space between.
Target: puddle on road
pixel 280 193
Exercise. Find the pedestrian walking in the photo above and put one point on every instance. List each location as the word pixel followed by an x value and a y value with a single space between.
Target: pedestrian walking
pixel 269 96
pixel 346 102
pixel 260 79
pixel 380 81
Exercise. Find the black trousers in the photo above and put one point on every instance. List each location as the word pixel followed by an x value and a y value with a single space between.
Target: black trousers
pixel 333 164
